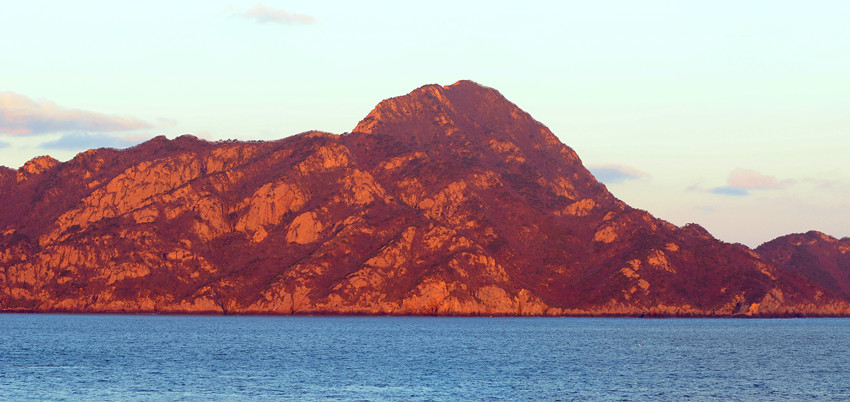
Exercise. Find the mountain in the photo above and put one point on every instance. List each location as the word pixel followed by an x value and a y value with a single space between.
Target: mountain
pixel 449 200
pixel 820 258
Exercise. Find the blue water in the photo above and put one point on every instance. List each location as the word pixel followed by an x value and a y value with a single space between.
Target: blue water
pixel 108 357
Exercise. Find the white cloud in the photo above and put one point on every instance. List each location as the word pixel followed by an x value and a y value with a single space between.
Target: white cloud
pixel 262 14
pixel 21 115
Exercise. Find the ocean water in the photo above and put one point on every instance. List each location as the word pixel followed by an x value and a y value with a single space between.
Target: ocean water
pixel 112 357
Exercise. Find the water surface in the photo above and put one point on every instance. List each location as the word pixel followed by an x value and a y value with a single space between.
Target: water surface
pixel 236 358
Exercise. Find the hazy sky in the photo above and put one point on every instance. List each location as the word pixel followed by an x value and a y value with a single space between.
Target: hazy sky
pixel 734 115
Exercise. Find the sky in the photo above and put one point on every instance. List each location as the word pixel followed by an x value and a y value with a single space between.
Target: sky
pixel 734 115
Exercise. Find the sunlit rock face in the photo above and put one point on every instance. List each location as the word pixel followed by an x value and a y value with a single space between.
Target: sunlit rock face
pixel 449 200
pixel 821 258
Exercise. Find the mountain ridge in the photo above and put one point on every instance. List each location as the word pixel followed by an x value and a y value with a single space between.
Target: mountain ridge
pixel 449 200
pixel 815 255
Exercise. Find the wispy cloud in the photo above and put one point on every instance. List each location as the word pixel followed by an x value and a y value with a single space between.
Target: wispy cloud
pixel 741 181
pixel 21 115
pixel 823 183
pixel 750 179
pixel 83 141
pixel 262 14
pixel 612 174
pixel 729 190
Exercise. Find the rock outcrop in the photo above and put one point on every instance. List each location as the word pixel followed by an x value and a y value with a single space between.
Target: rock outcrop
pixel 449 200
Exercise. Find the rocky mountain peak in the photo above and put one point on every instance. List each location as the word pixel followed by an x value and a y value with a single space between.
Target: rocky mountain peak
pixel 36 166
pixel 815 255
pixel 464 110
pixel 401 114
pixel 469 122
pixel 448 200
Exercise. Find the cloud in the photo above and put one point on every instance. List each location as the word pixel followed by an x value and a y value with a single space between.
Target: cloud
pixel 83 141
pixel 4 144
pixel 741 181
pixel 262 14
pixel 750 179
pixel 729 190
pixel 612 174
pixel 20 115
pixel 823 183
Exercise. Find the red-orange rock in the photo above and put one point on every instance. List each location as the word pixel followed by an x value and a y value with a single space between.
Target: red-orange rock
pixel 448 200
pixel 817 256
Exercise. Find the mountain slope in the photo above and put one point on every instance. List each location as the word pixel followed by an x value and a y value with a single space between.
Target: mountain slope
pixel 821 258
pixel 448 200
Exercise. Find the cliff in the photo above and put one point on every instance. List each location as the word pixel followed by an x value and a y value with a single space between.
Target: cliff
pixel 449 200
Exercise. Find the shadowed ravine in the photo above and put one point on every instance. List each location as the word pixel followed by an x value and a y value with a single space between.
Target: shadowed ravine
pixel 449 200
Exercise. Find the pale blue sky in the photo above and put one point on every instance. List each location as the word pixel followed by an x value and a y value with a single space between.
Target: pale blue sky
pixel 733 115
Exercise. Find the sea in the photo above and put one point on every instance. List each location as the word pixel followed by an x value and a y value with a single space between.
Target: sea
pixel 173 358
